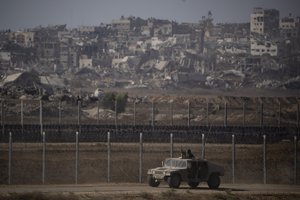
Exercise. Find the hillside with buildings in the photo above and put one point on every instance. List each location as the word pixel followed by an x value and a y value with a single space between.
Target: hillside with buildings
pixel 132 52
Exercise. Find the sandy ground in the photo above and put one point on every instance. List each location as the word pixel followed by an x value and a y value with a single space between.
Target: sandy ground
pixel 142 191
pixel 112 188
pixel 92 164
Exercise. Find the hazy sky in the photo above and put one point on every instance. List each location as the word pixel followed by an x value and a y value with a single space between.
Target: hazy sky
pixel 18 14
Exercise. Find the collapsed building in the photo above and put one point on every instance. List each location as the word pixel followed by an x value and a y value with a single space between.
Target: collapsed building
pixel 133 52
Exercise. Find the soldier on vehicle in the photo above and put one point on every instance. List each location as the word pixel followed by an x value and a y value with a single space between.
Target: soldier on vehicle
pixel 190 155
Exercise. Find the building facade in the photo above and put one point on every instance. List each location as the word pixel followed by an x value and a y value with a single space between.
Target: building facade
pixel 264 21
pixel 289 27
pixel 121 25
pixel 260 48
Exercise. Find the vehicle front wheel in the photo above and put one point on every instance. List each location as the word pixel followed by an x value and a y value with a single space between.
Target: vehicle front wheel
pixel 193 184
pixel 214 181
pixel 174 181
pixel 152 181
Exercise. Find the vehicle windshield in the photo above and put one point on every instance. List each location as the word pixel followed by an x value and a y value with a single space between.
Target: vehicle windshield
pixel 175 163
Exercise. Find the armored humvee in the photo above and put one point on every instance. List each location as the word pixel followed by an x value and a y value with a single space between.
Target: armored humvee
pixel 190 170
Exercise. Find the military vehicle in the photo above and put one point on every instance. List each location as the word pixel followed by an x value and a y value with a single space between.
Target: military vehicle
pixel 190 170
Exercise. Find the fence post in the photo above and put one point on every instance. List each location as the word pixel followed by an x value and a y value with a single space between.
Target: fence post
pixel 233 159
pixel 108 157
pixel 59 112
pixel 79 115
pixel 207 113
pixel 171 145
pixel 116 115
pixel 203 146
pixel 279 115
pixel 264 160
pixel 134 114
pixel 141 158
pixel 2 117
pixel 22 113
pixel 189 113
pixel 152 115
pixel 261 114
pixel 41 116
pixel 295 159
pixel 98 113
pixel 244 114
pixel 2 112
pixel 225 114
pixel 76 158
pixel 171 109
pixel 298 117
pixel 9 157
pixel 43 157
pixel 2 109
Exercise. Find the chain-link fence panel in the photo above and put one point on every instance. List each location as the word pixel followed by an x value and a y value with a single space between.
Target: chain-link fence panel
pixel 92 158
pixel 60 158
pixel 220 153
pixel 26 164
pixel 70 112
pixel 4 159
pixel 280 162
pixel 124 157
pixel 31 111
pixel 126 117
pixel 271 112
pixel 180 113
pixel 155 150
pixel 252 112
pixel 198 113
pixel 143 113
pixel 12 111
pixel 162 113
pixel 51 112
pixel 249 159
pixel 233 112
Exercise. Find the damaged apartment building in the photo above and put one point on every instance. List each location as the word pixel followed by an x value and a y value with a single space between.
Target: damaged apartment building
pixel 136 52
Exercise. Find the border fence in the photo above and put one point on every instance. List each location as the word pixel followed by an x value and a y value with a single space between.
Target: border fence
pixel 113 158
pixel 276 112
pixel 47 142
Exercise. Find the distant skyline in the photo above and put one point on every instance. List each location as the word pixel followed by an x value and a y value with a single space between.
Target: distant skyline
pixel 21 14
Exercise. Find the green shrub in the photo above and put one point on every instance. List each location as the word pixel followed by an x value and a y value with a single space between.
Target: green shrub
pixel 110 99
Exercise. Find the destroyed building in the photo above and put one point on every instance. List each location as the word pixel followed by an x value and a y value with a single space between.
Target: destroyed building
pixel 135 52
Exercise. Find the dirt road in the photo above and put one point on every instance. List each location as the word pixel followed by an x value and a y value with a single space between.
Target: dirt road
pixel 128 188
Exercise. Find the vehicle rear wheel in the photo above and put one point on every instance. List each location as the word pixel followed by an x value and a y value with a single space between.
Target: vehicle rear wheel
pixel 174 181
pixel 214 181
pixel 193 184
pixel 152 181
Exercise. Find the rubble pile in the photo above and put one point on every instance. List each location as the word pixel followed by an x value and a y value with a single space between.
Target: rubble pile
pixel 151 54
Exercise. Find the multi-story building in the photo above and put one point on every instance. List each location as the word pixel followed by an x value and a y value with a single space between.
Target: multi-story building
pixel 5 59
pixel 164 29
pixel 86 29
pixel 259 48
pixel 183 39
pixel 121 25
pixel 47 43
pixel 84 61
pixel 25 39
pixel 289 27
pixel 264 21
